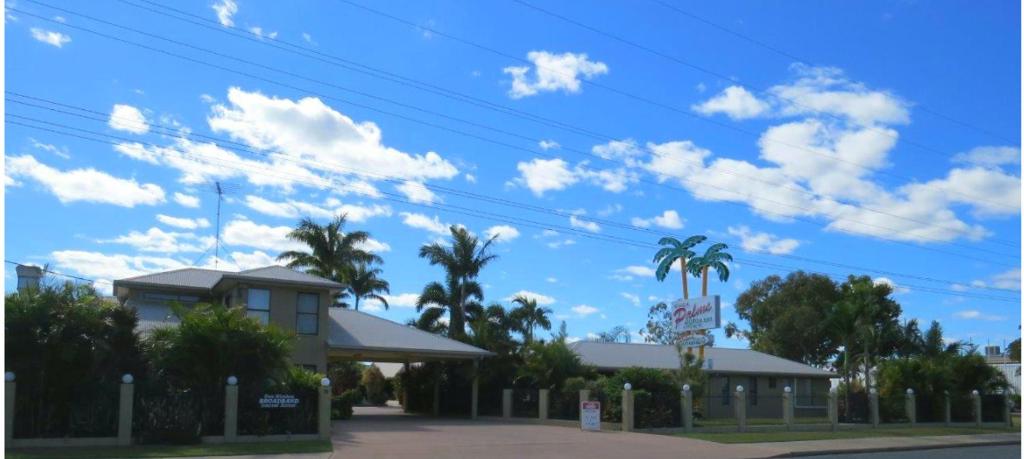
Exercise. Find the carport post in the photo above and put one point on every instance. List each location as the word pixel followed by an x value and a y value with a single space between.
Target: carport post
pixel 9 386
pixel 475 404
pixel 436 408
pixel 124 415
pixel 506 403
pixel 687 401
pixel 542 403
pixel 405 388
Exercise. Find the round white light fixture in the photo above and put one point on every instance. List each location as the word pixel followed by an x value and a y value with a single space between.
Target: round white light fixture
pixel 627 386
pixel 686 387
pixel 232 381
pixel 910 391
pixel 127 378
pixel 975 391
pixel 325 382
pixel 787 389
pixel 739 388
pixel 874 391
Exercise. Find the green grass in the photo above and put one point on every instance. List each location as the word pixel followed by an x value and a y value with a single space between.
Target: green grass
pixel 728 422
pixel 764 437
pixel 230 449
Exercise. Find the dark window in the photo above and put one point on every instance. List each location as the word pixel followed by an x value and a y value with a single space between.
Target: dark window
pixel 771 382
pixel 753 390
pixel 726 395
pixel 307 317
pixel 258 304
pixel 170 298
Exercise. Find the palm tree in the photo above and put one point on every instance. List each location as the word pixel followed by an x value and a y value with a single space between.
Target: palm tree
pixel 676 250
pixel 430 320
pixel 462 262
pixel 530 316
pixel 454 297
pixel 364 282
pixel 713 258
pixel 331 249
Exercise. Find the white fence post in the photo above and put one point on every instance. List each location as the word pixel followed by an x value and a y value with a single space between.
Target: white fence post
pixel 9 387
pixel 324 405
pixel 231 410
pixel 124 413
pixel 740 408
pixel 687 402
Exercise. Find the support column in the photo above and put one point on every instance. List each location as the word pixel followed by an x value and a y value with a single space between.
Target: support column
pixel 543 403
pixel 910 405
pixel 435 408
pixel 628 416
pixel 833 410
pixel 9 387
pixel 976 404
pixel 787 407
pixel 873 406
pixel 324 412
pixel 687 407
pixel 405 388
pixel 740 409
pixel 948 408
pixel 475 405
pixel 506 403
pixel 231 410
pixel 124 412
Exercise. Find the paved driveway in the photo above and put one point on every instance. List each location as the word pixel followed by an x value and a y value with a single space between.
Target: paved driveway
pixel 387 433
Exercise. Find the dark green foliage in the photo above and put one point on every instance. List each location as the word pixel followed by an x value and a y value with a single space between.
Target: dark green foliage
pixel 344 375
pixel 332 252
pixel 660 326
pixel 462 262
pixel 549 365
pixel 374 386
pixel 297 381
pixel 1013 350
pixel 341 405
pixel 68 350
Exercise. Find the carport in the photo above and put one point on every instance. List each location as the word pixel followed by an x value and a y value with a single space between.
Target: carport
pixel 364 337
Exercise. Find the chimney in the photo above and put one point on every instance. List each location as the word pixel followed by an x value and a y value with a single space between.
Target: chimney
pixel 28 277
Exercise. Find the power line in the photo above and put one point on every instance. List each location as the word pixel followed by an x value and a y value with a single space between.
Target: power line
pixel 487 215
pixel 55 273
pixel 801 60
pixel 638 97
pixel 742 203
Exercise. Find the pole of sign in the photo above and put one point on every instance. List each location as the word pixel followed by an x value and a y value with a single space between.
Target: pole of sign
pixel 686 294
pixel 704 293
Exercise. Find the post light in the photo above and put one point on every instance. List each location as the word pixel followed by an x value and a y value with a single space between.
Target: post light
pixel 627 386
pixel 686 387
pixel 874 391
pixel 787 389
pixel 739 388
pixel 910 391
pixel 9 376
pixel 975 391
pixel 232 381
pixel 127 378
pixel 325 382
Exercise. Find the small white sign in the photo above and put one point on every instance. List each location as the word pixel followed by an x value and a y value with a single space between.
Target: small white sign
pixel 278 401
pixel 590 415
pixel 697 340
pixel 697 313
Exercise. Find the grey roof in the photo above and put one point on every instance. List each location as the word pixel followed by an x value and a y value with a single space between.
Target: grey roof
pixel 361 332
pixel 207 279
pixel 611 356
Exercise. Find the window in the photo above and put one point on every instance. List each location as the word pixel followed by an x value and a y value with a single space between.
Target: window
pixel 307 318
pixel 771 382
pixel 170 297
pixel 258 304
pixel 753 390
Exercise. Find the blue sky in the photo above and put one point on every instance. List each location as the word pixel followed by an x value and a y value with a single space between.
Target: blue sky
pixel 871 137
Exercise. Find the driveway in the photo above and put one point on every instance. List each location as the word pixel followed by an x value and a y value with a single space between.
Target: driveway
pixel 388 433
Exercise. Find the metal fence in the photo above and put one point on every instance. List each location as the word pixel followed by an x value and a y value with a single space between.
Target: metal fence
pixel 92 413
pixel 161 415
pixel 992 408
pixel 765 409
pixel 854 408
pixel 564 405
pixel 962 408
pixel 525 403
pixel 713 410
pixel 892 408
pixel 611 405
pixel 657 409
pixel 930 408
pixel 489 402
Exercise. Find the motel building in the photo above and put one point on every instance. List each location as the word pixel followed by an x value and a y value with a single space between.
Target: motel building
pixel 300 303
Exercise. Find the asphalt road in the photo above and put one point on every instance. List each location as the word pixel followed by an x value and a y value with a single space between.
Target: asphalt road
pixel 987 452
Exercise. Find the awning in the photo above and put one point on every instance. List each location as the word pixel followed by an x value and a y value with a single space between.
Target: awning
pixel 357 335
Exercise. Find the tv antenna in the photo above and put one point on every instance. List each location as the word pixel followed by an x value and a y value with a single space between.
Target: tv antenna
pixel 220 189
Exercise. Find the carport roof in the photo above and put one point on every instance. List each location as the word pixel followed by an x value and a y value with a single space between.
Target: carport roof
pixel 362 336
pixel 613 356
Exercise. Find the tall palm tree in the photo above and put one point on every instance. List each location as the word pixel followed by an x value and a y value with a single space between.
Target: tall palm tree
pixel 430 320
pixel 530 316
pixel 673 251
pixel 462 262
pixel 331 250
pixel 713 258
pixel 364 282
pixel 453 297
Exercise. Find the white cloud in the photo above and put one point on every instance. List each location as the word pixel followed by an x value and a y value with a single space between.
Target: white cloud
pixel 50 37
pixel 402 300
pixel 541 299
pixel 763 242
pixel 1008 280
pixel 417 192
pixel 634 299
pixel 59 151
pixel 548 144
pixel 505 233
pixel 610 210
pixel 246 233
pixel 374 246
pixel 254 259
pixel 225 9
pixel 552 72
pixel 258 31
pixel 470 178
pixel 989 156
pixel 127 118
pixel 627 273
pixel 584 310
pixel 974 314
pixel 86 185
pixel 552 280
pixel 157 240
pixel 588 225
pixel 541 175
pixel 735 102
pixel 420 221
pixel 186 200
pixel 308 38
pixel 111 266
pixel 668 219
pixel 184 223
pixel 827 90
pixel 329 209
pixel 896 289
pixel 619 150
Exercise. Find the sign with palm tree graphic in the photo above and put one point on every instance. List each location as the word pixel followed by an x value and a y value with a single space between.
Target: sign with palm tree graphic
pixel 700 313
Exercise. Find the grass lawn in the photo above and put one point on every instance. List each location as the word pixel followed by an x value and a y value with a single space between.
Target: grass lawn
pixel 231 449
pixel 720 422
pixel 763 437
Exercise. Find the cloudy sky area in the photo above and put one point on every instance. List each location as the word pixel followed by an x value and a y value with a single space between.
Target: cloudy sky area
pixel 858 139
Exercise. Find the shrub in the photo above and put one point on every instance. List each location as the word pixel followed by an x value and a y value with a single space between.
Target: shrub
pixel 341 405
pixel 373 383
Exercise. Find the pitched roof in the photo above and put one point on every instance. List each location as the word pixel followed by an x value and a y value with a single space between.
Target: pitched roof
pixel 207 279
pixel 358 331
pixel 611 356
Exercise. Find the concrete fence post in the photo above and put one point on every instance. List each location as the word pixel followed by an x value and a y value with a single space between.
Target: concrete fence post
pixel 910 406
pixel 787 407
pixel 1007 406
pixel 324 412
pixel 833 410
pixel 948 414
pixel 543 403
pixel 740 408
pixel 976 406
pixel 231 410
pixel 506 403
pixel 873 406
pixel 124 412
pixel 628 414
pixel 9 387
pixel 687 406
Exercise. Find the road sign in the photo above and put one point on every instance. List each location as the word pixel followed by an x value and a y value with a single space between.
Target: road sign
pixel 590 415
pixel 697 340
pixel 697 313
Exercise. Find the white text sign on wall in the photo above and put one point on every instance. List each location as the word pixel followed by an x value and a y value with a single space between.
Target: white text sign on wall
pixel 697 313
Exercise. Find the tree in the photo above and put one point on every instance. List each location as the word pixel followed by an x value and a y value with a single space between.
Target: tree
pixel 331 250
pixel 617 334
pixel 490 328
pixel 364 282
pixel 373 383
pixel 1013 350
pixel 548 365
pixel 529 316
pixel 660 326
pixel 789 317
pixel 454 298
pixel 879 333
pixel 462 262
pixel 675 250
pixel 430 320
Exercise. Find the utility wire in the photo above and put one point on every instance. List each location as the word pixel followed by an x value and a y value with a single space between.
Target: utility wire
pixel 459 209
pixel 55 273
pixel 741 203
